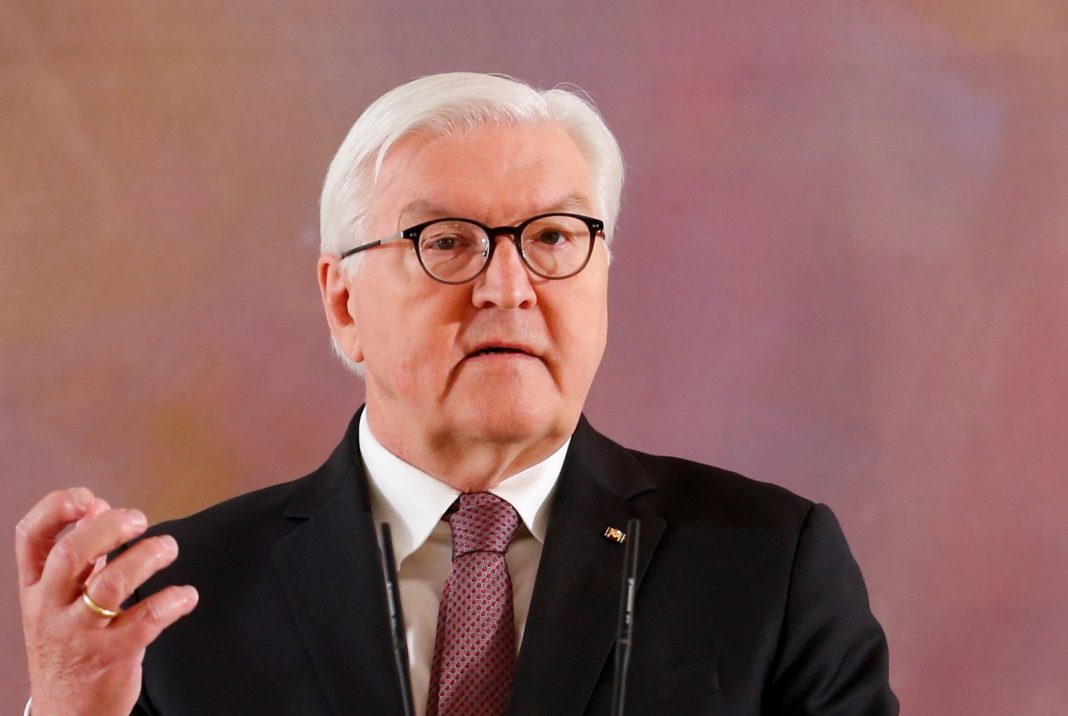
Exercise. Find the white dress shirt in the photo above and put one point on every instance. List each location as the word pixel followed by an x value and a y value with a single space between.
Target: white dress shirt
pixel 413 503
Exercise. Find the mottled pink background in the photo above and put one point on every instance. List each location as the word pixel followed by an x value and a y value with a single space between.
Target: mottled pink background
pixel 841 266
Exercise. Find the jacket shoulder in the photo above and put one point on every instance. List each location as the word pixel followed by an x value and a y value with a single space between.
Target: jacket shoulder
pixel 688 489
pixel 235 515
pixel 239 532
pixel 676 475
pixel 269 512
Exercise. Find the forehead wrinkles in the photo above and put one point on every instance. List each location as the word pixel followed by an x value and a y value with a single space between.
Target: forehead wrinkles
pixel 503 171
pixel 421 210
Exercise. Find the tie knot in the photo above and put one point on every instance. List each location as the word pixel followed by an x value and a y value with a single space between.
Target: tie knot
pixel 481 522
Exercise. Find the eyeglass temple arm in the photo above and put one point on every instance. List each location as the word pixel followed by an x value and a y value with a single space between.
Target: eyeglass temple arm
pixel 363 247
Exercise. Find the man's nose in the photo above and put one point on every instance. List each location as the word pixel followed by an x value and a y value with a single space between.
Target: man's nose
pixel 506 282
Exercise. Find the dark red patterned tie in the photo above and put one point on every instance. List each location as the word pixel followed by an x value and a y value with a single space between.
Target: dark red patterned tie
pixel 474 652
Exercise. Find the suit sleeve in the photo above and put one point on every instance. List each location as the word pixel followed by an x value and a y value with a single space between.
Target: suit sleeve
pixel 832 656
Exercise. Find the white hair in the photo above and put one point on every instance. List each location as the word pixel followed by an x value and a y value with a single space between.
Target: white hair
pixel 450 103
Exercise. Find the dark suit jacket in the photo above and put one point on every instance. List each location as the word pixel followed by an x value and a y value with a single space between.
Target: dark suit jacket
pixel 749 601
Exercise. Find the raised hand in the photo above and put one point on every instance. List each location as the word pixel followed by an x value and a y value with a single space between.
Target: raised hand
pixel 84 654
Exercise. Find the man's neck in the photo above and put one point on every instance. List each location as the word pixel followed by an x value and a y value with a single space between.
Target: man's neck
pixel 466 463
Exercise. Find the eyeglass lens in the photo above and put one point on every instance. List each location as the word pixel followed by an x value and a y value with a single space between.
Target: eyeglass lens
pixel 553 246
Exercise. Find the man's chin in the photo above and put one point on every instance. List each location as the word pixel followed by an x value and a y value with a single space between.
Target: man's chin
pixel 506 421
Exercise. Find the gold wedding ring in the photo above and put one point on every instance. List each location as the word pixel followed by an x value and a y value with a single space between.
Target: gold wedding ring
pixel 97 609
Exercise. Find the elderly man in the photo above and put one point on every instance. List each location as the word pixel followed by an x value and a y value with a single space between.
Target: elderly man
pixel 466 221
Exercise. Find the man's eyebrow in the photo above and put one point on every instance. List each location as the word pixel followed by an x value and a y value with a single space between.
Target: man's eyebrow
pixel 573 202
pixel 423 210
pixel 418 210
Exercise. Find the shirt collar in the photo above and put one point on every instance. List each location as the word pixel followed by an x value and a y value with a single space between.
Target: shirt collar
pixel 412 501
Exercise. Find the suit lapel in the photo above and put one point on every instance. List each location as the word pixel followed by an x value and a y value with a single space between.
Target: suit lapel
pixel 328 569
pixel 574 609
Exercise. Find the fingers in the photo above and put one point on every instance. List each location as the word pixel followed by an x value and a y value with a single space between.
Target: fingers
pixel 75 553
pixel 81 660
pixel 98 507
pixel 148 618
pixel 36 533
pixel 116 582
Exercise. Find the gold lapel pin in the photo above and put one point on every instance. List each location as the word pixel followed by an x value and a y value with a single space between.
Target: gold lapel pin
pixel 615 534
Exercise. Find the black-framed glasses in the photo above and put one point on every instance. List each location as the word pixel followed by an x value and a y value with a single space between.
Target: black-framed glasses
pixel 453 250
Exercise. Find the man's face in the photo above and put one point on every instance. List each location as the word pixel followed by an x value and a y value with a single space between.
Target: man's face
pixel 422 342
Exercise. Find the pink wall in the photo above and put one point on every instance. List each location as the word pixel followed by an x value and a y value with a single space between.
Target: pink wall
pixel 840 267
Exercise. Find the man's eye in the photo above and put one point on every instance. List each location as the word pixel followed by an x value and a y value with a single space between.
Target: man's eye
pixel 552 238
pixel 443 243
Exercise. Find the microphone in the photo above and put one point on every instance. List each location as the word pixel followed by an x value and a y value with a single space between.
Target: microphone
pixel 625 627
pixel 396 621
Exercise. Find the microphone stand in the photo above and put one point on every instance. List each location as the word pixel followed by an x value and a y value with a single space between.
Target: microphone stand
pixel 625 627
pixel 396 621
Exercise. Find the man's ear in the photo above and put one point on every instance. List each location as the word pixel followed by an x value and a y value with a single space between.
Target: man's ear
pixel 335 287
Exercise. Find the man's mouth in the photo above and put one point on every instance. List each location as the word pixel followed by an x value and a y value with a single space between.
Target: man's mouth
pixel 494 351
pixel 490 350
